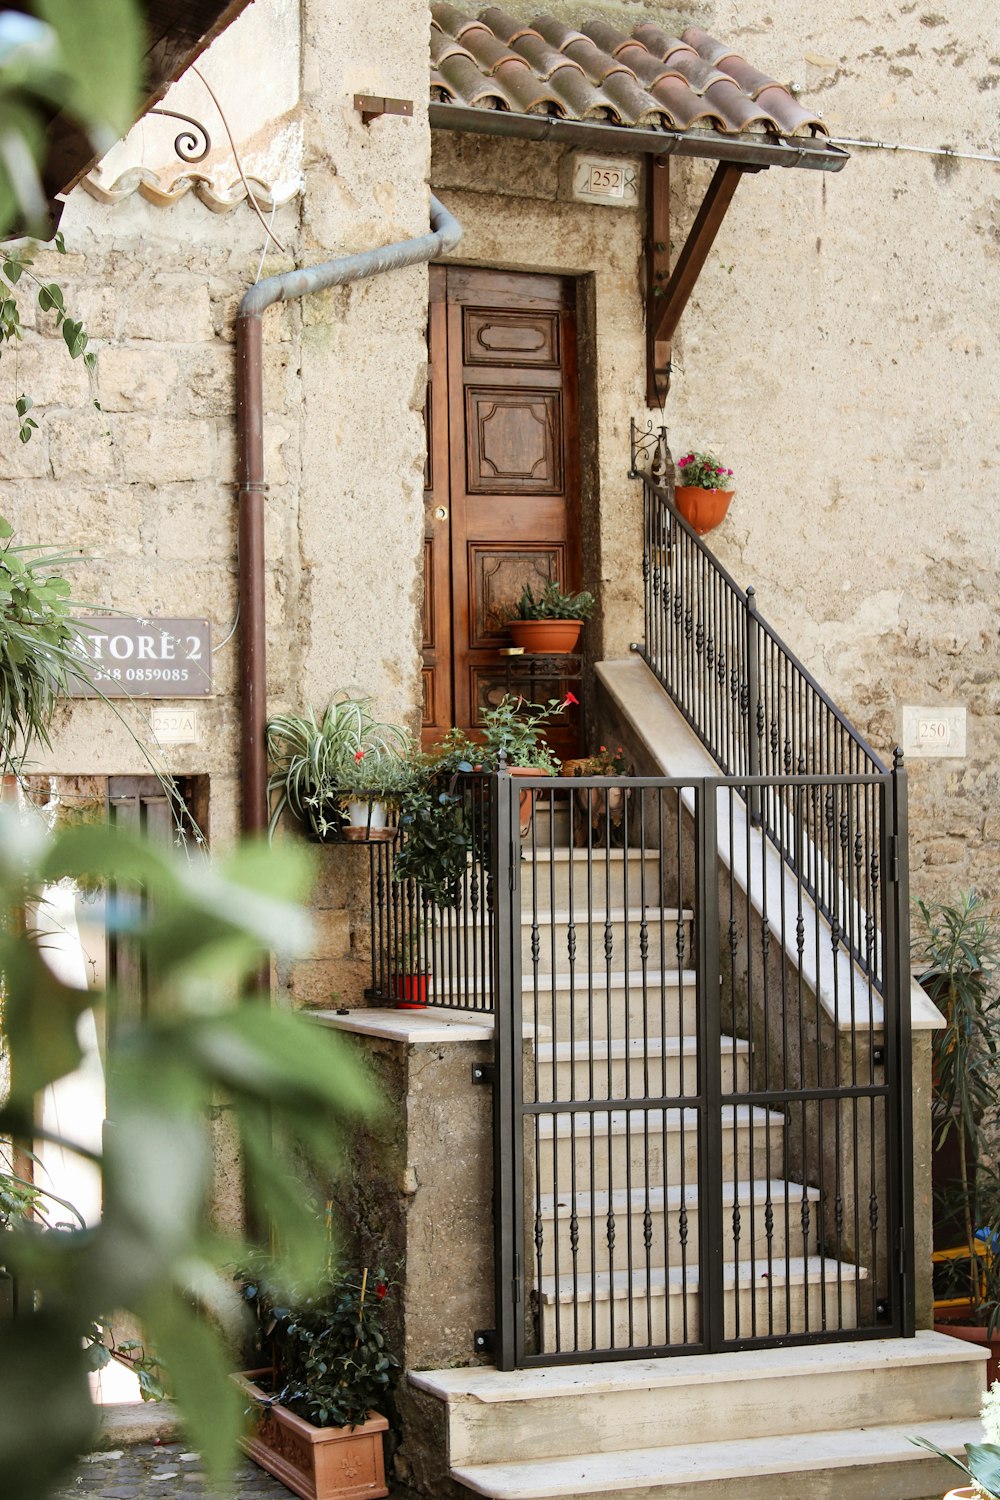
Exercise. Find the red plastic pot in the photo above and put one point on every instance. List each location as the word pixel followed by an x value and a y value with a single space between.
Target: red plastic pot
pixel 410 991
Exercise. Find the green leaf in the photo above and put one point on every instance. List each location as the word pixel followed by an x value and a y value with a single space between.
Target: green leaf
pixel 39 1439
pixel 984 1464
pixel 76 338
pixel 199 1365
pixel 26 429
pixel 12 270
pixel 59 242
pixel 102 44
pixel 6 529
pixel 23 404
pixel 90 360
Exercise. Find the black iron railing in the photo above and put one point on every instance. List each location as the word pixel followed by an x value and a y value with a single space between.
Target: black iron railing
pixel 759 712
pixel 432 929
pixel 698 1149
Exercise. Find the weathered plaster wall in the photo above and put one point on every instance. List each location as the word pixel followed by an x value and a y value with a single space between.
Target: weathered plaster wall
pixel 838 354
pixel 146 483
pixel 845 367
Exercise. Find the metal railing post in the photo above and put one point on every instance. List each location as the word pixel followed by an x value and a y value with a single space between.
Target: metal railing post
pixel 899 1054
pixel 508 1083
pixel 711 1232
pixel 754 705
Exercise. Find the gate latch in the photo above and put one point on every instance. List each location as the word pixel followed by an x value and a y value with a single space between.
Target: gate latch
pixel 484 1073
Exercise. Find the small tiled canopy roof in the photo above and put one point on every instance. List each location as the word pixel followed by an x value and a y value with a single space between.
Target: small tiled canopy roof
pixel 647 81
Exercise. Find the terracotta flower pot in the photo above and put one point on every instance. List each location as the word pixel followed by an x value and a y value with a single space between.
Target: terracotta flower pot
pixel 524 800
pixel 965 1493
pixel 546 637
pixel 318 1463
pixel 702 509
pixel 410 991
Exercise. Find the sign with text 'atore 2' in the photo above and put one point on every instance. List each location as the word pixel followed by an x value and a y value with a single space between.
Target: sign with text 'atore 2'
pixel 126 657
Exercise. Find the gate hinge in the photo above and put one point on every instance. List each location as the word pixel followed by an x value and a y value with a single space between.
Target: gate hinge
pixel 894 857
pixel 484 1341
pixel 484 1073
pixel 516 1283
pixel 515 856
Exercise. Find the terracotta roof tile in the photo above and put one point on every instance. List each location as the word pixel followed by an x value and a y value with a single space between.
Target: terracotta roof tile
pixel 649 80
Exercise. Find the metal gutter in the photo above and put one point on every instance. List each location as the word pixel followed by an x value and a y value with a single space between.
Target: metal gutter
pixel 444 236
pixel 624 139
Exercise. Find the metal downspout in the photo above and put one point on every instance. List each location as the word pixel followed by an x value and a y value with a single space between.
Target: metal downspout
pixel 444 236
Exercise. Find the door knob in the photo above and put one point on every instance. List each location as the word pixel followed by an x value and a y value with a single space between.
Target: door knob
pixel 440 512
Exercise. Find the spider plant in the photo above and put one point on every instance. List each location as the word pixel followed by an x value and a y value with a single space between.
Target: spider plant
pixel 319 762
pixel 36 635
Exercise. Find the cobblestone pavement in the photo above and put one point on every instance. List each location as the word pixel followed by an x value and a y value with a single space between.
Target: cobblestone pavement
pixel 160 1471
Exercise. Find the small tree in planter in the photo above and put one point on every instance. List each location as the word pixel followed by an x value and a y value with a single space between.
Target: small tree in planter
pixel 958 946
pixel 317 1425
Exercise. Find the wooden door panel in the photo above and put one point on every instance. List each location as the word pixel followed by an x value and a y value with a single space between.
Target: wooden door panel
pixel 498 573
pixel 503 447
pixel 514 441
pixel 495 336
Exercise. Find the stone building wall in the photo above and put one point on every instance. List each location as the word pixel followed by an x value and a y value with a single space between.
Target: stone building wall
pixel 838 352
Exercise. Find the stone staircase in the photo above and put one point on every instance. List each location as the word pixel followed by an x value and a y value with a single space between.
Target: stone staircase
pixel 616 1190
pixel 820 1422
pixel 826 1421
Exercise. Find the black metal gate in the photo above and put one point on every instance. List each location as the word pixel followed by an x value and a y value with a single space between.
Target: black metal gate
pixel 702 1132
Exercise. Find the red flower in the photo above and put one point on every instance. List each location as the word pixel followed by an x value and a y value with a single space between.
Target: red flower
pixel 381 1290
pixel 604 749
pixel 569 698
pixel 359 755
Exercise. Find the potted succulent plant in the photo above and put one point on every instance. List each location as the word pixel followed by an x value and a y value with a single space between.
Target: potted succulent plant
pixel 550 624
pixel 958 949
pixel 703 491
pixel 313 1407
pixel 321 766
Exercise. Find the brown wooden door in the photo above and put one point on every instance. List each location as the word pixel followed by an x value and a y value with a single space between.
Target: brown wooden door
pixel 503 496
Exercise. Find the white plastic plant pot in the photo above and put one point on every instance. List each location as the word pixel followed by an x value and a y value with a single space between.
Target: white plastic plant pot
pixel 367 820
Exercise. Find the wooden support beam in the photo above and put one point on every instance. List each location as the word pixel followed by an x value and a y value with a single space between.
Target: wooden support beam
pixel 670 306
pixel 657 275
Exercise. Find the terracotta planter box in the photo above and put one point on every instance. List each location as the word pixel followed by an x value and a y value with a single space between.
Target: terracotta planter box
pixel 318 1463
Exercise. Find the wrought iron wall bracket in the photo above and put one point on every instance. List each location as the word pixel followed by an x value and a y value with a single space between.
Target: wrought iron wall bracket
pixel 186 144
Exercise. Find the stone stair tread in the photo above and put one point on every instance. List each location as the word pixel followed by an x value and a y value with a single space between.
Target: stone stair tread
pixel 705 1464
pixel 484 1384
pixel 637 1046
pixel 793 1270
pixel 616 1120
pixel 601 913
pixel 563 853
pixel 622 1199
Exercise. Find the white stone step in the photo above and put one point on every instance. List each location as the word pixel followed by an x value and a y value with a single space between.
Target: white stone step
pixel 666 1063
pixel 659 1003
pixel 654 1306
pixel 860 1463
pixel 653 1144
pixel 564 1410
pixel 617 877
pixel 629 1211
pixel 596 929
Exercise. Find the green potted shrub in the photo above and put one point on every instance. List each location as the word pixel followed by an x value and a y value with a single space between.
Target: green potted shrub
pixel 957 946
pixel 703 491
pixel 551 624
pixel 513 733
pixel 326 1369
pixel 333 772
